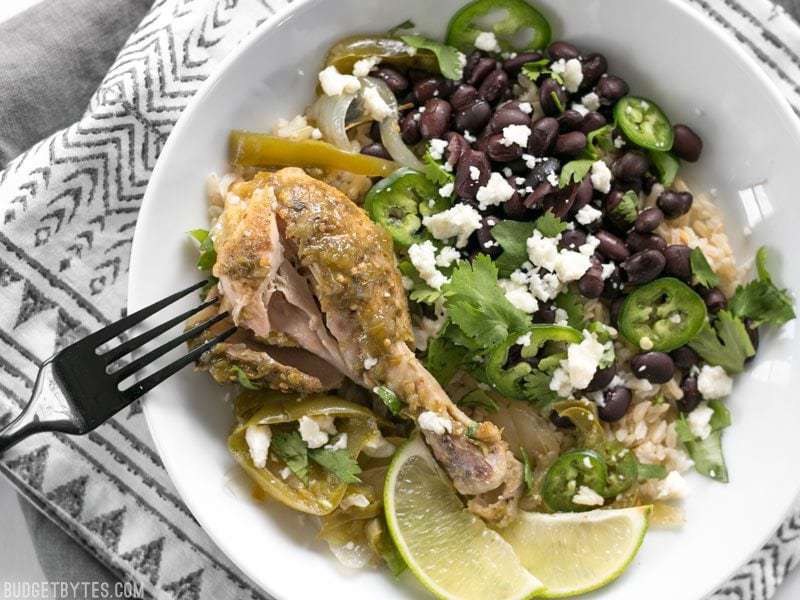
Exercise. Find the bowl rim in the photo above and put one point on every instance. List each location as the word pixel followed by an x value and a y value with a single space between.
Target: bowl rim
pixel 704 20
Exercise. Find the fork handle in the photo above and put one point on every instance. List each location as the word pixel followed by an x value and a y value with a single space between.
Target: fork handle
pixel 47 410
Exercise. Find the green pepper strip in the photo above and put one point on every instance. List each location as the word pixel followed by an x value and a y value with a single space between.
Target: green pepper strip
pixel 392 50
pixel 248 149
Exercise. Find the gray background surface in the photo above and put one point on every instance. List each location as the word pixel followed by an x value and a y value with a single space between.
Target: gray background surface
pixel 31 33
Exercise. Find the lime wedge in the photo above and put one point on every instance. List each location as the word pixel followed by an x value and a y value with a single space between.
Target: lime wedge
pixel 574 553
pixel 451 551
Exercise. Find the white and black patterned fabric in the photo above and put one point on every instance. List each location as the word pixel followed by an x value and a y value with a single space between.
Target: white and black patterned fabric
pixel 68 209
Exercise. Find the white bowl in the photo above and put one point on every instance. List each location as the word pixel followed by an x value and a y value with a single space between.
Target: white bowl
pixel 665 50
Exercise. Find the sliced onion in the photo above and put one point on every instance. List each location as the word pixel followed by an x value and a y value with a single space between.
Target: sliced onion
pixel 390 128
pixel 330 112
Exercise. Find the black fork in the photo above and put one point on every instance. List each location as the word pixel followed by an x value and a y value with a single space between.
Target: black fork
pixel 76 390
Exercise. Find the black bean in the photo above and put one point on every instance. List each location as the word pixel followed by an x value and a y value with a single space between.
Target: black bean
pixel 630 166
pixel 376 149
pixel 648 220
pixel 684 358
pixel 430 87
pixel 474 117
pixel 472 61
pixel 486 241
pixel 545 314
pixel 601 379
pixel 393 78
pixel 591 121
pixel 536 199
pixel 543 135
pixel 616 402
pixel 435 120
pixel 543 170
pixel 611 88
pixel 611 246
pixel 594 66
pixel 572 239
pixel 547 91
pixel 456 146
pixel 482 68
pixel 493 86
pixel 615 309
pixel 644 266
pixel 715 300
pixel 409 127
pixel 375 131
pixel 691 395
pixel 559 202
pixel 565 50
pixel 416 75
pixel 463 96
pixel 513 66
pixel 583 195
pixel 467 186
pixel 645 241
pixel 678 264
pixel 655 367
pixel 561 422
pixel 570 144
pixel 591 284
pixel 648 181
pixel 506 115
pixel 499 150
pixel 514 207
pixel 687 145
pixel 569 120
pixel 613 287
pixel 674 204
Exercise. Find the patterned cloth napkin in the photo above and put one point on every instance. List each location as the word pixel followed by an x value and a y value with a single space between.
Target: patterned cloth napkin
pixel 68 209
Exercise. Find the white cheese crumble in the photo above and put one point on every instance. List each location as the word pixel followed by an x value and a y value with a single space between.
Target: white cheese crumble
pixel 258 438
pixel 522 299
pixel 469 137
pixel 524 340
pixel 311 433
pixel 699 421
pixel 375 106
pixel 526 107
pixel 437 148
pixel 362 67
pixel 459 221
pixel 601 177
pixel 446 190
pixel 431 421
pixel 474 173
pixel 516 134
pixel 714 383
pixel 285 472
pixel 586 496
pixel 591 101
pixel 542 251
pixel 447 256
pixel 578 369
pixel 571 266
pixel 588 214
pixel 673 487
pixel 608 270
pixel 487 42
pixel 370 362
pixel 378 447
pixel 580 109
pixel 339 444
pixel 335 84
pixel 423 257
pixel 357 500
pixel 552 179
pixel 571 71
pixel 296 128
pixel 496 191
pixel 561 317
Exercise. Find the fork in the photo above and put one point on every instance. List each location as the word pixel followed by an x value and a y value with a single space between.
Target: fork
pixel 76 389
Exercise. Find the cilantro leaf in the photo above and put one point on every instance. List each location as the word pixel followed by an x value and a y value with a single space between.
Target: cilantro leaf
pixel 646 471
pixel 389 398
pixel 527 470
pixel 243 379
pixel 512 237
pixel 407 24
pixel 600 142
pixel 702 271
pixel 537 388
pixel 549 225
pixel 444 357
pixel 425 294
pixel 435 171
pixel 338 462
pixel 721 417
pixel 480 398
pixel 762 301
pixel 571 303
pixel 725 344
pixel 208 256
pixel 574 172
pixel 472 429
pixel 451 61
pixel 707 453
pixel 626 210
pixel 535 69
pixel 292 450
pixel 477 305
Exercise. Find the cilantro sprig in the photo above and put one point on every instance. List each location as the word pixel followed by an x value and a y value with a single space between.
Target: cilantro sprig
pixel 725 344
pixel 294 452
pixel 451 61
pixel 707 453
pixel 761 300
pixel 701 270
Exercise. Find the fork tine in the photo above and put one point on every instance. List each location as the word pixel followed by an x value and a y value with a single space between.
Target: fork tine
pixel 145 385
pixel 140 340
pixel 145 360
pixel 118 327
